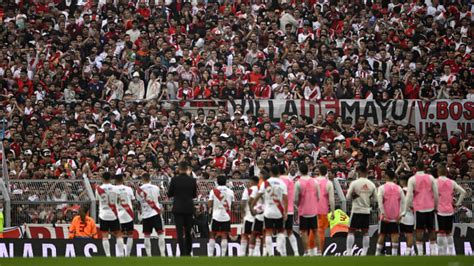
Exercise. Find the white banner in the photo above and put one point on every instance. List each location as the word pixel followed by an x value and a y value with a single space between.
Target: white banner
pixel 452 115
pixel 275 108
pixel 376 112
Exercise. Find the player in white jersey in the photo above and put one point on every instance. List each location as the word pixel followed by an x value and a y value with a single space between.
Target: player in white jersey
pixel 275 198
pixel 362 192
pixel 125 211
pixel 148 195
pixel 220 203
pixel 256 209
pixel 247 238
pixel 407 223
pixel 106 194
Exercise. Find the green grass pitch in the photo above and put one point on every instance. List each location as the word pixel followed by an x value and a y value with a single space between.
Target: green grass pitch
pixel 246 261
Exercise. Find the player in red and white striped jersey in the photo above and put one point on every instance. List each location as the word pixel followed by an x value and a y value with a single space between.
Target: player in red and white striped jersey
pixel 106 194
pixel 148 195
pixel 125 211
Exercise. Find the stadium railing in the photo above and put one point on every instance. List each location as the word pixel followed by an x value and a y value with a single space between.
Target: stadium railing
pixel 48 201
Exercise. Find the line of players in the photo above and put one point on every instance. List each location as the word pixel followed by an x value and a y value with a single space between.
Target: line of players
pixel 424 203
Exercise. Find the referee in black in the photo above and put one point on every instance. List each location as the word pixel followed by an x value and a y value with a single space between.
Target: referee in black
pixel 183 189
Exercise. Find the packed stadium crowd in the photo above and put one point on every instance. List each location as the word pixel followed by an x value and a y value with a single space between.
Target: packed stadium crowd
pixel 89 87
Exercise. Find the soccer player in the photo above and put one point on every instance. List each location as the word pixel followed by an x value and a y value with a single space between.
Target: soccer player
pixel 247 237
pixel 361 191
pixel 446 189
pixel 148 196
pixel 125 210
pixel 256 208
pixel 290 186
pixel 106 194
pixel 407 223
pixel 275 198
pixel 220 202
pixel 391 200
pixel 423 191
pixel 306 197
pixel 325 203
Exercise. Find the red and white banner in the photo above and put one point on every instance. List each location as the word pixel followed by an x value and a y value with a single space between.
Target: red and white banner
pixel 452 115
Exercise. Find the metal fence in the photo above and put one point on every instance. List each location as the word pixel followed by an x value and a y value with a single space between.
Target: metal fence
pixel 48 201
pixel 461 215
pixel 57 201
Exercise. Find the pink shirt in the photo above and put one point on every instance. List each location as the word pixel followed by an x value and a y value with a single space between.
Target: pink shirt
pixel 423 194
pixel 291 193
pixel 307 197
pixel 322 206
pixel 391 196
pixel 446 193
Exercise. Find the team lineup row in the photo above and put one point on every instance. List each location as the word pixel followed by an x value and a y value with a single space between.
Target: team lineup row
pixel 270 201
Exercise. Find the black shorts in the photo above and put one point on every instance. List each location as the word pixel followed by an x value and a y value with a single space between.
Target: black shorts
pixel 406 229
pixel 359 221
pixel 308 223
pixel 258 227
pixel 274 223
pixel 154 222
pixel 445 223
pixel 248 227
pixel 425 221
pixel 127 227
pixel 388 228
pixel 289 222
pixel 109 226
pixel 217 227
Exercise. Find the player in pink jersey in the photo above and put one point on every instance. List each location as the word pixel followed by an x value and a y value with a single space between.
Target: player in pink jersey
pixel 445 216
pixel 391 200
pixel 306 196
pixel 324 205
pixel 290 185
pixel 423 191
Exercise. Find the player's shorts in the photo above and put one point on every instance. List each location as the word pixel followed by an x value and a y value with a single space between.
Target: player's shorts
pixel 444 223
pixel 217 227
pixel 257 227
pixel 274 223
pixel 359 221
pixel 425 220
pixel 154 222
pixel 248 227
pixel 406 228
pixel 308 223
pixel 289 222
pixel 127 227
pixel 388 228
pixel 109 226
pixel 323 221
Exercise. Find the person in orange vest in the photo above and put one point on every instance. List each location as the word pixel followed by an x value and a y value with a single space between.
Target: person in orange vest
pixel 83 226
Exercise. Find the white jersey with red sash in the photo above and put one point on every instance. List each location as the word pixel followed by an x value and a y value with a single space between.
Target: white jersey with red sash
pixel 246 197
pixel 148 195
pixel 221 197
pixel 273 190
pixel 106 194
pixel 125 208
pixel 312 93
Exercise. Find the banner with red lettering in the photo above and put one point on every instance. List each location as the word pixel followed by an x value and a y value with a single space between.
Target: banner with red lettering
pixel 451 115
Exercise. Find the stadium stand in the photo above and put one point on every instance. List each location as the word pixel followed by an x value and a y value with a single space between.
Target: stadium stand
pixel 134 86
